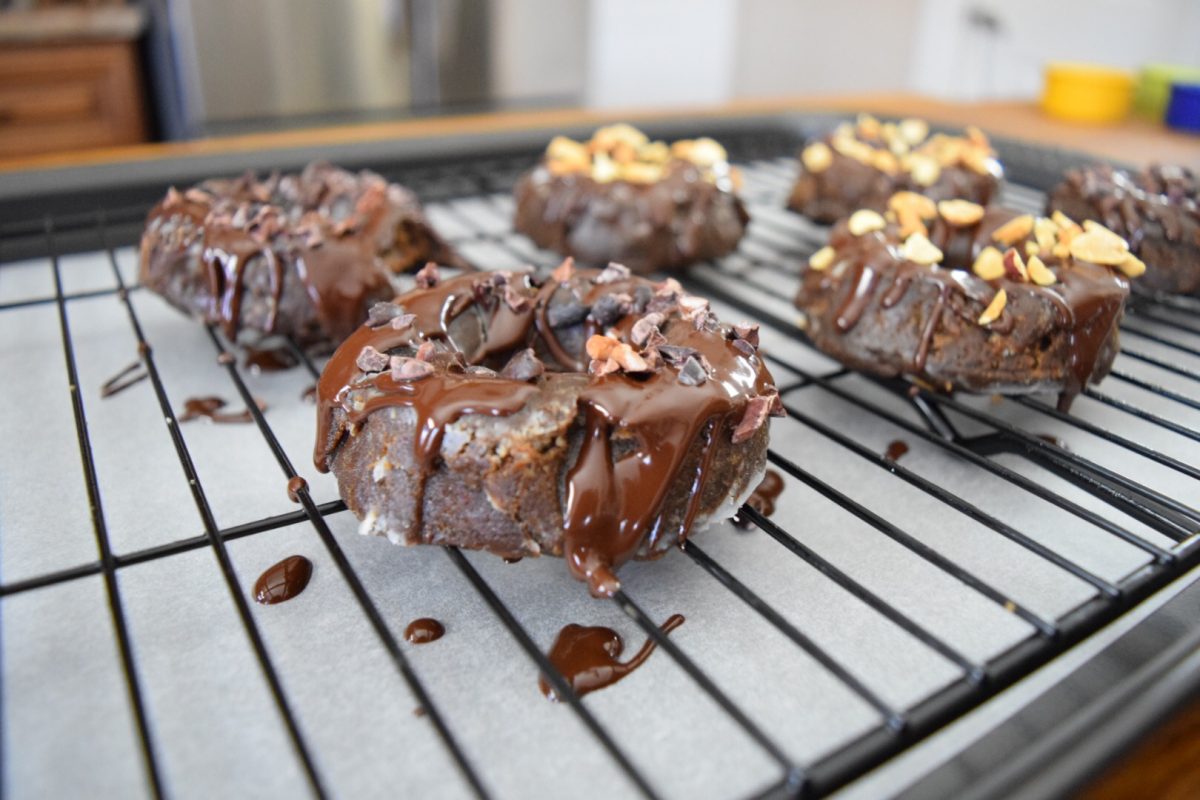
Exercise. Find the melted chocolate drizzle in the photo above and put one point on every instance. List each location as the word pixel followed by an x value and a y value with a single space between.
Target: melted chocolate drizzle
pixel 589 657
pixel 613 502
pixel 210 407
pixel 294 487
pixel 127 377
pixel 283 581
pixel 896 450
pixel 275 359
pixel 424 631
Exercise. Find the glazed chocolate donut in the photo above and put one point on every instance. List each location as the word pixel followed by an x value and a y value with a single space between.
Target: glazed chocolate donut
pixel 862 165
pixel 595 416
pixel 962 297
pixel 1156 210
pixel 620 197
pixel 303 254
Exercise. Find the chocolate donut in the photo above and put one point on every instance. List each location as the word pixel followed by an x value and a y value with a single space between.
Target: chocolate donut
pixel 1156 210
pixel 303 255
pixel 621 197
pixel 595 416
pixel 962 297
pixel 862 165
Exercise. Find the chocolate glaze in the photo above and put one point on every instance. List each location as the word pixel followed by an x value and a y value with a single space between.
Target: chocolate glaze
pixel 636 430
pixel 300 254
pixel 589 657
pixel 666 225
pixel 424 631
pixel 1056 337
pixel 275 359
pixel 210 407
pixel 896 449
pixel 294 487
pixel 283 581
pixel 127 377
pixel 1157 211
pixel 763 498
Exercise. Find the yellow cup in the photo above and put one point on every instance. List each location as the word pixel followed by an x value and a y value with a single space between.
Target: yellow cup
pixel 1087 93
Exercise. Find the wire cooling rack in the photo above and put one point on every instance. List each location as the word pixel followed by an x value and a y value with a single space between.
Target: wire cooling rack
pixel 886 596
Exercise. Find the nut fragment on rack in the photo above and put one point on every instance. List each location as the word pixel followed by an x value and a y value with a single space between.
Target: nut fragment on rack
pixel 865 221
pixel 1099 245
pixel 817 157
pixel 960 213
pixel 822 258
pixel 1039 273
pixel 919 250
pixel 1014 230
pixel 989 264
pixel 994 309
pixel 924 169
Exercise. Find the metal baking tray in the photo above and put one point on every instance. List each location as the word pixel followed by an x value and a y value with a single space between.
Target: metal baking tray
pixel 956 622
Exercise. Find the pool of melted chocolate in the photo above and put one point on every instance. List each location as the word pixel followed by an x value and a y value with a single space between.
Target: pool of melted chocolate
pixel 589 657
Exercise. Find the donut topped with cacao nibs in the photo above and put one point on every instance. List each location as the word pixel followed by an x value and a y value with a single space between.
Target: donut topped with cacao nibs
pixel 302 255
pixel 594 415
pixel 959 296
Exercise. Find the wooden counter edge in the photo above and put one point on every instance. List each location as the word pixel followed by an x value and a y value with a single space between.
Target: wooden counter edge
pixel 1135 141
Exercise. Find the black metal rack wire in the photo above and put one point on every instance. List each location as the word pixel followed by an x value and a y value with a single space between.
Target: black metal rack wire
pixel 1150 320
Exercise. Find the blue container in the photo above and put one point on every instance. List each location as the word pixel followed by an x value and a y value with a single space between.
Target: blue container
pixel 1183 112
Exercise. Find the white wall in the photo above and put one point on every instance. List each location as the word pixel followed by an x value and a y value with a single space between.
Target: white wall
pixel 956 60
pixel 823 46
pixel 681 52
pixel 539 48
pixel 653 53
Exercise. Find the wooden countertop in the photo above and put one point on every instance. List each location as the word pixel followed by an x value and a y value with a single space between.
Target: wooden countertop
pixel 1165 764
pixel 1134 140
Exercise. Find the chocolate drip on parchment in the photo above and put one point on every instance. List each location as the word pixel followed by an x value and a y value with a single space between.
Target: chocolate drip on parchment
pixel 589 657
pixel 282 581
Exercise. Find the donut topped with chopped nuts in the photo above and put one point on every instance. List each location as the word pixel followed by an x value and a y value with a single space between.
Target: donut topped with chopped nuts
pixel 622 197
pixel 860 165
pixel 1157 210
pixel 959 296
pixel 594 415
